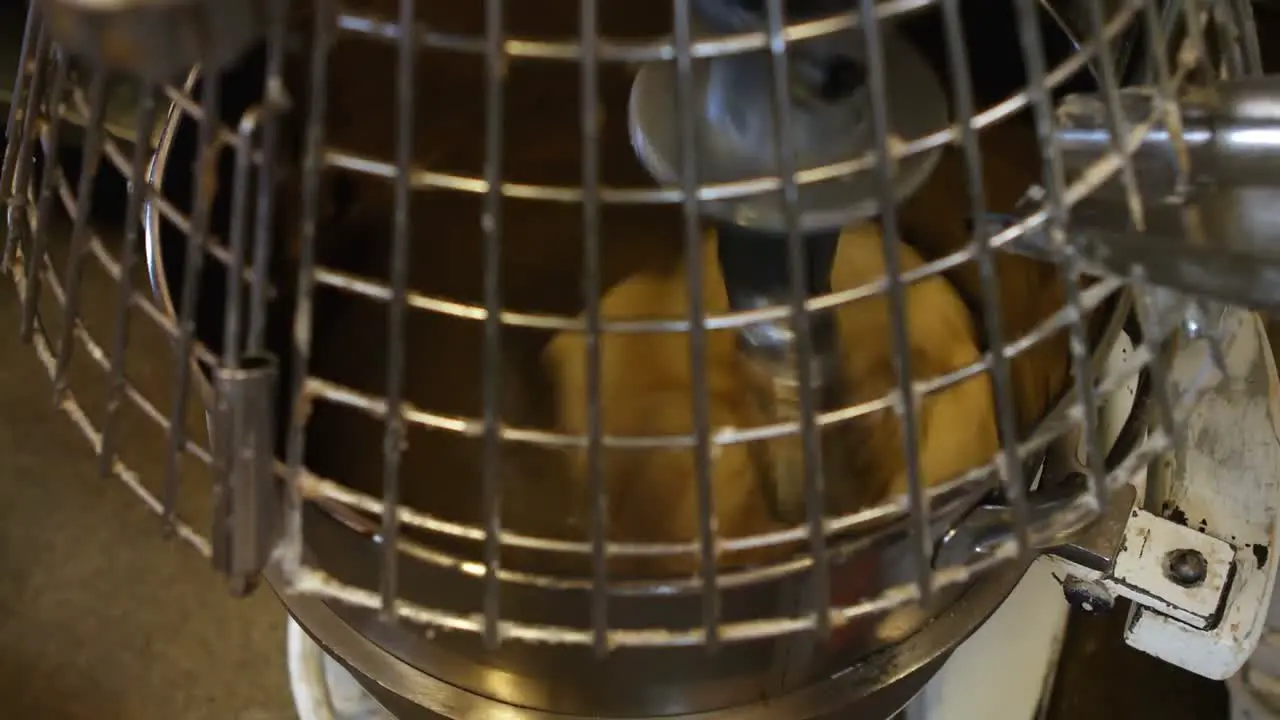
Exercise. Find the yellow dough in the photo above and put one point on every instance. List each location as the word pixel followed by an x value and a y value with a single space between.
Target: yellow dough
pixel 647 384
pixel 1030 291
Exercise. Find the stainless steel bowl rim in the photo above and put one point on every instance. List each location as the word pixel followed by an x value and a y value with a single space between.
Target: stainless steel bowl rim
pixel 340 637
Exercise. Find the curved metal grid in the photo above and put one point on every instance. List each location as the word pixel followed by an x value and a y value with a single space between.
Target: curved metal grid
pixel 35 186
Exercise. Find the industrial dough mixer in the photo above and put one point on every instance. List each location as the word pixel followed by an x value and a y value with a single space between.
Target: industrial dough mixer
pixel 703 359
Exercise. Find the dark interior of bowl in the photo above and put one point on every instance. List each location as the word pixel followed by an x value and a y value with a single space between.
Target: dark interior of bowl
pixel 542 273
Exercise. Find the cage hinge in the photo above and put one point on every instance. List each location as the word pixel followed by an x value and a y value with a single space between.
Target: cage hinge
pixel 246 494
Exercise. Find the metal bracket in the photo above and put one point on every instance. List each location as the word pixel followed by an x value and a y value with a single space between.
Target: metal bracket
pixel 1172 569
pixel 1157 564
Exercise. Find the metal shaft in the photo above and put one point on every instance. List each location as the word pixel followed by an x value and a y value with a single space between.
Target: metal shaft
pixel 1231 134
pixel 1208 224
pixel 754 265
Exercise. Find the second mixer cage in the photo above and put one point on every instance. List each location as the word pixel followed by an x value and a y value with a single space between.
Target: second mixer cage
pixel 266 170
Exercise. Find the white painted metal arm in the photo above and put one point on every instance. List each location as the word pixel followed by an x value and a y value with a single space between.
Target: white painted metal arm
pixel 1198 563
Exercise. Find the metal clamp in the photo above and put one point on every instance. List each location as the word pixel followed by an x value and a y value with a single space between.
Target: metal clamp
pixel 1198 565
pixel 1159 564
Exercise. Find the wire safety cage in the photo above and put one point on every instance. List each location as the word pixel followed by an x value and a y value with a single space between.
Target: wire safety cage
pixel 602 326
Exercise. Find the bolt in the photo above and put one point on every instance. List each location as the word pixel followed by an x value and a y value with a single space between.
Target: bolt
pixel 1087 596
pixel 1186 567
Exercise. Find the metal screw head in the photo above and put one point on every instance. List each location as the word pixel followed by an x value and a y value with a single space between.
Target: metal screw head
pixel 1087 596
pixel 1186 567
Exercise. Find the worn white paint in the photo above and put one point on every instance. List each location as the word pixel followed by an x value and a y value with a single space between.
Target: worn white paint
pixel 1226 481
pixel 1255 690
pixel 1139 572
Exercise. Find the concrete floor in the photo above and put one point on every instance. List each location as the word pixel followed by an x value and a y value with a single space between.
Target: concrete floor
pixel 100 616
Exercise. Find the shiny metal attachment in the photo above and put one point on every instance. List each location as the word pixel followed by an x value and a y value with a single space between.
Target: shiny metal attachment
pixel 246 493
pixel 829 126
pixel 1093 545
pixel 157 38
